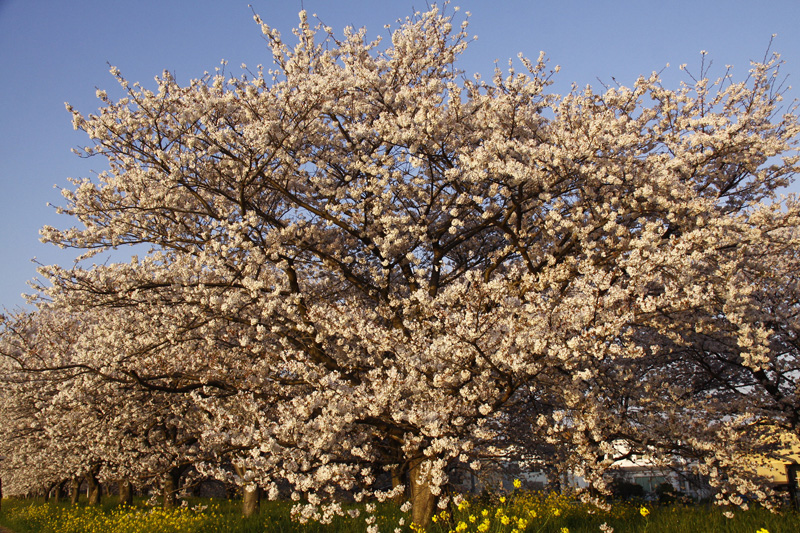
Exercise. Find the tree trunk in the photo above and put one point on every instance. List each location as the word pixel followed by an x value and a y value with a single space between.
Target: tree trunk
pixel 172 480
pixel 54 491
pixel 252 498
pixel 74 490
pixel 791 481
pixel 397 479
pixel 252 493
pixel 423 501
pixel 61 490
pixel 125 493
pixel 93 491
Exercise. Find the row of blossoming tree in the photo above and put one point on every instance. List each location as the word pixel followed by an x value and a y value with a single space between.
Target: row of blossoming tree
pixel 363 265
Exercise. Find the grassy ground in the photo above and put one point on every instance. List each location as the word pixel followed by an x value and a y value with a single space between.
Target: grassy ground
pixel 523 512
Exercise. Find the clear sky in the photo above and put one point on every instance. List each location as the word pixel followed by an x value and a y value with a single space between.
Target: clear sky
pixel 56 51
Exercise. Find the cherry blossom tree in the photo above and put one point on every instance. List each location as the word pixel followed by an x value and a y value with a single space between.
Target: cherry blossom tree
pixel 363 263
pixel 744 357
pixel 68 417
pixel 36 459
pixel 715 388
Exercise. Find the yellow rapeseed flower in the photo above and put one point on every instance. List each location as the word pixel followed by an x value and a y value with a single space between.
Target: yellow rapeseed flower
pixel 517 483
pixel 644 511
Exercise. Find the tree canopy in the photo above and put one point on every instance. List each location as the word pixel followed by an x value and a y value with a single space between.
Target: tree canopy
pixel 362 263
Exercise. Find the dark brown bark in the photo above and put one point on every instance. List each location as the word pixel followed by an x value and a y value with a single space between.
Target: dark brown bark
pixel 791 481
pixel 48 491
pixel 423 501
pixel 74 490
pixel 125 493
pixel 54 491
pixel 398 478
pixel 172 480
pixel 61 490
pixel 93 491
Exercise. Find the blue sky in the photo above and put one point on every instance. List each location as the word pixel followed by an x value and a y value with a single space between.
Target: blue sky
pixel 56 51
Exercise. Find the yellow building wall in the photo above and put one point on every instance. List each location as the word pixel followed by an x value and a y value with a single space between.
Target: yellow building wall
pixel 775 469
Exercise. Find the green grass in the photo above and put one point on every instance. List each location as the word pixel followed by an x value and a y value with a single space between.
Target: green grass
pixel 540 514
pixel 224 516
